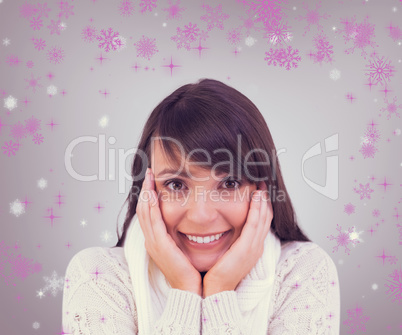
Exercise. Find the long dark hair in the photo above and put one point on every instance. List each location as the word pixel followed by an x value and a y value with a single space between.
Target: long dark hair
pixel 209 115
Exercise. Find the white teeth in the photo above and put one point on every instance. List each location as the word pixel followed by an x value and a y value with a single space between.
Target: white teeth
pixel 206 239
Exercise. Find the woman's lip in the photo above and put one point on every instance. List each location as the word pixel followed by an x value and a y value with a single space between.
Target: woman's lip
pixel 205 246
pixel 204 235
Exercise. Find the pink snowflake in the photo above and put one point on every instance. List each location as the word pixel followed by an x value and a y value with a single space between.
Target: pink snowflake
pixel 392 260
pixel 32 125
pixel 394 286
pixel 37 138
pixel 55 55
pixel 376 213
pixel 287 58
pixel 278 33
pixel 368 150
pixel 89 34
pixel 312 17
pixel 265 11
pixel 395 33
pixel 108 40
pixel 65 9
pixel 30 64
pixel 214 17
pixel 10 148
pixel 126 8
pixel 391 108
pixel 364 191
pixel 233 36
pixel 18 131
pixel 372 135
pixel 349 208
pixel 174 10
pixel 147 5
pixel 36 23
pixel 343 239
pixel 146 47
pixel 42 10
pixel 379 70
pixel 33 83
pixel 39 44
pixel 184 37
pixel 54 27
pixel 27 10
pixel 323 49
pixel 356 320
pixel 361 34
pixel 13 60
pixel 249 24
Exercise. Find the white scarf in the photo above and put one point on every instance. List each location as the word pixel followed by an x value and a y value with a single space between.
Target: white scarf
pixel 151 288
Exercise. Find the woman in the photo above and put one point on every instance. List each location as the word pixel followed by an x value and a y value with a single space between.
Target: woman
pixel 200 252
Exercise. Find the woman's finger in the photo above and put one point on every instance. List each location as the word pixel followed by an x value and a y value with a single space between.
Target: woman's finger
pixel 146 223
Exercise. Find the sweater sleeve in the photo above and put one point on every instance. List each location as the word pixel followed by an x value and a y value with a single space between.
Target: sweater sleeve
pixel 306 299
pixel 98 299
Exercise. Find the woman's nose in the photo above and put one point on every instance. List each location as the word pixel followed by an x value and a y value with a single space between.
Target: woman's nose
pixel 201 207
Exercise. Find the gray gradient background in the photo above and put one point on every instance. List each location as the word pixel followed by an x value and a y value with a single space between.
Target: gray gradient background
pixel 302 107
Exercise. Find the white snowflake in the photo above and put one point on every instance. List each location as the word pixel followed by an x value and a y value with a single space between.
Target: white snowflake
pixel 335 74
pixel 10 102
pixel 40 294
pixel 122 44
pixel 250 41
pixel 51 90
pixel 104 121
pixel 106 236
pixel 17 208
pixel 42 183
pixel 35 325
pixel 54 284
pixel 6 42
pixel 84 223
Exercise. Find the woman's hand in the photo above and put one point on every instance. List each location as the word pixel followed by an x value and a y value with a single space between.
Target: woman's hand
pixel 244 253
pixel 164 251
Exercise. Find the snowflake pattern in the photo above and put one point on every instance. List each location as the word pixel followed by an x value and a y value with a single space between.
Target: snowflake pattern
pixel 323 49
pixel 234 36
pixel 36 23
pixel 214 17
pixel 33 83
pixel 368 150
pixel 55 55
pixel 372 135
pixel 42 10
pixel 361 35
pixel 395 33
pixel 10 148
pixel 17 208
pixel 32 125
pixel 364 191
pixel 394 286
pixel 54 284
pixel 89 34
pixel 379 70
pixel 18 131
pixel 37 138
pixel 184 37
pixel 356 320
pixel 108 39
pixel 27 10
pixel 126 8
pixel 287 58
pixel 147 5
pixel 55 27
pixel 174 10
pixel 13 60
pixel 265 11
pixel 344 239
pixel 349 208
pixel 39 44
pixel 391 108
pixel 146 47
pixel 312 17
pixel 278 33
pixel 14 266
pixel 65 9
pixel 10 103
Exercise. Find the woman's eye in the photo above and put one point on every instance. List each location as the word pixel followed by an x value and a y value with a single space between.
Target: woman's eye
pixel 232 182
pixel 173 182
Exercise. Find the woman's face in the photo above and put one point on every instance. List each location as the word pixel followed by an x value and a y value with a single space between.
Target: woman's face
pixel 201 204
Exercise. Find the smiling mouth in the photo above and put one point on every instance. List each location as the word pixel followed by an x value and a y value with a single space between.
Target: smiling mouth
pixel 204 239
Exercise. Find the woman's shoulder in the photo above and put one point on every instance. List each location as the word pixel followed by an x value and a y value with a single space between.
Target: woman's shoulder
pixel 98 261
pixel 303 258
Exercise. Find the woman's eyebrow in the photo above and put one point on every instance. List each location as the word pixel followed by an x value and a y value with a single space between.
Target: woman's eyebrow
pixel 182 173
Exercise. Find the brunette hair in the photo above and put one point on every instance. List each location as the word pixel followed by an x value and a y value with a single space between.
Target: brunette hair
pixel 208 115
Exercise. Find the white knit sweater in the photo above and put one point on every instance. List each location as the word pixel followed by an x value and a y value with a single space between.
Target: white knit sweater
pixel 98 298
